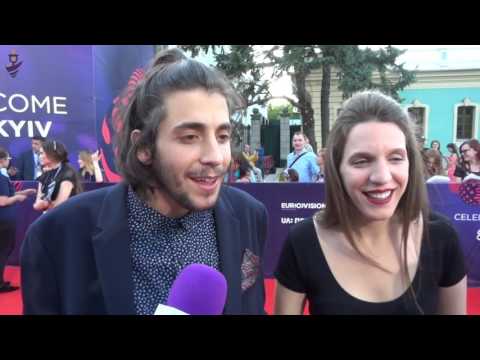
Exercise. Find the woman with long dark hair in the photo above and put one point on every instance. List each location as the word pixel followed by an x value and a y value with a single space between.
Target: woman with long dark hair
pixel 375 248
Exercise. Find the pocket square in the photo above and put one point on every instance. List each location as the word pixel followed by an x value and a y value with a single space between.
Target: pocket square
pixel 250 269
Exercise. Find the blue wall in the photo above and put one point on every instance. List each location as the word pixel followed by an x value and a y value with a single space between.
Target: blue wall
pixel 442 106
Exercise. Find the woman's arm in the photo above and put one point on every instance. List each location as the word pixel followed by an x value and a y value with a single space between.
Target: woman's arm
pixel 96 167
pixel 40 204
pixel 288 302
pixel 98 172
pixel 64 192
pixel 453 299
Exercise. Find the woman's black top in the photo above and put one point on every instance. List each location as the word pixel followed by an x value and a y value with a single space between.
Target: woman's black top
pixel 461 172
pixel 52 179
pixel 303 268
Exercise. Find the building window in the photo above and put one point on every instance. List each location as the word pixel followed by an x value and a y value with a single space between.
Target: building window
pixel 465 121
pixel 419 114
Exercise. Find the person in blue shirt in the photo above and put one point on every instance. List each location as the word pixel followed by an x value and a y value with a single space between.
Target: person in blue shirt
pixel 8 197
pixel 301 160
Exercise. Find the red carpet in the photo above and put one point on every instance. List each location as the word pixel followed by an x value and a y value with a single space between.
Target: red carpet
pixel 11 303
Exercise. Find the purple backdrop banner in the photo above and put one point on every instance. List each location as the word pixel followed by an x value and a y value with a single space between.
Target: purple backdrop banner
pixel 47 91
pixel 118 69
pixel 72 94
pixel 290 203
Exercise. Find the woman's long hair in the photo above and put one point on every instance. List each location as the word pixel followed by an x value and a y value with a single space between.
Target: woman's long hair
pixel 87 168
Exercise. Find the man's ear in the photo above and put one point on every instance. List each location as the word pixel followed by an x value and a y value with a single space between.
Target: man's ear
pixel 143 155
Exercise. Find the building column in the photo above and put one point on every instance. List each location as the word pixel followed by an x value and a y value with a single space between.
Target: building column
pixel 255 134
pixel 284 140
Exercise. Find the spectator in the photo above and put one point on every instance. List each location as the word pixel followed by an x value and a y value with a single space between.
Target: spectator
pixel 452 159
pixel 8 197
pixel 434 171
pixel 470 160
pixel 252 157
pixel 292 175
pixel 89 166
pixel 321 164
pixel 28 164
pixel 60 181
pixel 245 173
pixel 435 145
pixel 303 161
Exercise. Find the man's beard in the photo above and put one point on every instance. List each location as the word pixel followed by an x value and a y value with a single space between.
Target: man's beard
pixel 169 184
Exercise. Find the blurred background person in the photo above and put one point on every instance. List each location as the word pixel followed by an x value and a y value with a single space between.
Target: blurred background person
pixel 233 170
pixel 8 197
pixel 452 159
pixel 308 146
pixel 469 160
pixel 9 170
pixel 435 145
pixel 28 163
pixel 245 173
pixel 252 157
pixel 60 181
pixel 321 164
pixel 89 164
pixel 292 175
pixel 434 171
pixel 303 161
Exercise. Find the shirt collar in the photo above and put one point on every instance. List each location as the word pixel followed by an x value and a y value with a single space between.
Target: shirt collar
pixel 142 210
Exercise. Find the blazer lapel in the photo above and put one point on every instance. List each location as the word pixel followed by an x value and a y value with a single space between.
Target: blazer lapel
pixel 228 237
pixel 111 245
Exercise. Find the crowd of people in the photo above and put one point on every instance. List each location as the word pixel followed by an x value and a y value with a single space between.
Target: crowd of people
pixel 303 165
pixel 459 165
pixel 47 163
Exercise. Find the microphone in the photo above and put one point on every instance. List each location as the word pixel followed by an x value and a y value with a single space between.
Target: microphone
pixel 198 290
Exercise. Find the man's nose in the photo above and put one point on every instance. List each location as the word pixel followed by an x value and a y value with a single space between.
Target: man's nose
pixel 212 152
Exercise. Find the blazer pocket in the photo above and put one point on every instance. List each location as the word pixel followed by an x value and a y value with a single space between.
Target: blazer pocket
pixel 250 269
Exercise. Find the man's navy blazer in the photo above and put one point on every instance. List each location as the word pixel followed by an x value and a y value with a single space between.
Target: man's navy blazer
pixel 25 166
pixel 76 258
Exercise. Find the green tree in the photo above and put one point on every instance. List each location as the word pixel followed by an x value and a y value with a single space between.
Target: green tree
pixel 355 68
pixel 275 112
pixel 247 75
pixel 298 61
